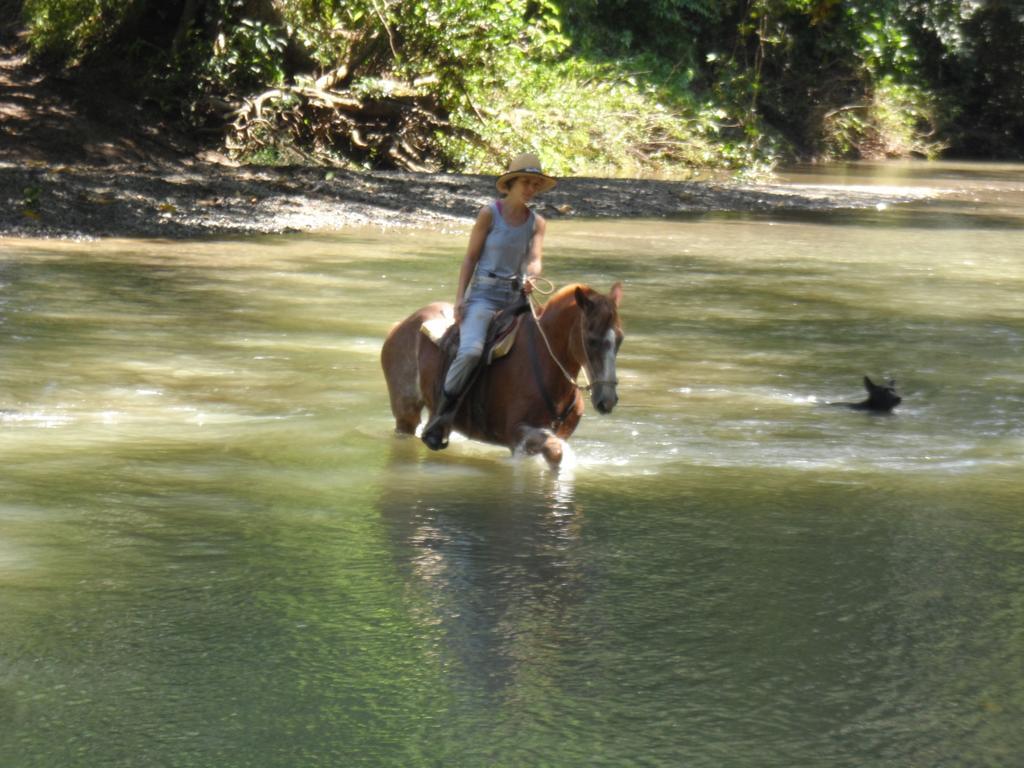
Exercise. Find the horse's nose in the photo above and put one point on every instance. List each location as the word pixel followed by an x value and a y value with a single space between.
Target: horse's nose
pixel 607 401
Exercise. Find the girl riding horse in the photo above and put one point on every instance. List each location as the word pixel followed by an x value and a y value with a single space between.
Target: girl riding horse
pixel 505 252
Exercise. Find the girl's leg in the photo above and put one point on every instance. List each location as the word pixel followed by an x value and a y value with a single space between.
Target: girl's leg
pixel 472 336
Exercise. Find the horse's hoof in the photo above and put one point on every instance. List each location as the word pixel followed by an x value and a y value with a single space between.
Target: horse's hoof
pixel 552 453
pixel 435 440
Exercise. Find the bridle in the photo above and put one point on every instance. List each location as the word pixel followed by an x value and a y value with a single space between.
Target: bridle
pixel 587 365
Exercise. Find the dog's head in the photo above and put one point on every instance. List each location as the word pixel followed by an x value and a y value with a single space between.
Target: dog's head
pixel 881 397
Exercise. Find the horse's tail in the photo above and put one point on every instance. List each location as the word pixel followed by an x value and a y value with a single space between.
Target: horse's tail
pixel 399 358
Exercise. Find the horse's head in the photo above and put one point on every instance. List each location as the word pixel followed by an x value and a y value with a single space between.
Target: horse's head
pixel 602 336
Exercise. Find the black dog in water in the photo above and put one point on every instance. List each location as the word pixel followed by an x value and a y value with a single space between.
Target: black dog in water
pixel 881 398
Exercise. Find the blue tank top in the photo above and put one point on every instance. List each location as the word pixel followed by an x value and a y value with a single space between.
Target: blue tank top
pixel 506 249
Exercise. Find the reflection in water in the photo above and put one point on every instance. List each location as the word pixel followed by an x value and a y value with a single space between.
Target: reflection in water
pixel 494 553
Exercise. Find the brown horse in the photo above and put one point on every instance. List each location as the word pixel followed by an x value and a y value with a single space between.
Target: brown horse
pixel 529 399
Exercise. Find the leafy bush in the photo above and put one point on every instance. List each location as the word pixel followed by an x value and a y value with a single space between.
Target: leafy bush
pixel 248 55
pixel 582 118
pixel 64 31
pixel 898 121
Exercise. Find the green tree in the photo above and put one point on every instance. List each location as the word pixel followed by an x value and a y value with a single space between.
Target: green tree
pixel 984 83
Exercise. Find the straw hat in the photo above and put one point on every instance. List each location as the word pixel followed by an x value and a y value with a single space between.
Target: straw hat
pixel 526 164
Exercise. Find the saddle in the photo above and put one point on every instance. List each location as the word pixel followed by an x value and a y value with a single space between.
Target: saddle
pixel 501 336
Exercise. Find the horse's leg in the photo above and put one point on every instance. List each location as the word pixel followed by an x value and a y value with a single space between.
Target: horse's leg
pixel 543 441
pixel 572 419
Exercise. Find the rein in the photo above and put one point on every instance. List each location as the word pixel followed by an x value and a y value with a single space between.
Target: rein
pixel 534 304
pixel 538 377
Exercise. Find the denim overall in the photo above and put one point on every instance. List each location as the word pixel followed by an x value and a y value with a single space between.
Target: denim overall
pixel 496 283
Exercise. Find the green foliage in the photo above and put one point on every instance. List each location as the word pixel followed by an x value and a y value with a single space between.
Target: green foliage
pixel 324 28
pixel 671 30
pixel 598 86
pixel 458 42
pixel 989 89
pixel 898 121
pixel 247 55
pixel 583 119
pixel 832 78
pixel 63 31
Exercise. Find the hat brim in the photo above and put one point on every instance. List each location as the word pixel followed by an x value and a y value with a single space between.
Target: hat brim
pixel 505 179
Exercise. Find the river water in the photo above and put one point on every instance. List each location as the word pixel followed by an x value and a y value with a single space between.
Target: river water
pixel 214 551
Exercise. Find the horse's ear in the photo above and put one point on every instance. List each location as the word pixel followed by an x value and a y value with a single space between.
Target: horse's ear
pixel 616 294
pixel 581 298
